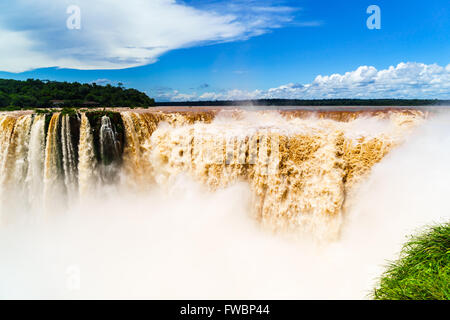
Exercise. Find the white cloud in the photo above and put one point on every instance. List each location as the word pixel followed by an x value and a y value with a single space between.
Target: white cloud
pixel 119 34
pixel 18 54
pixel 406 80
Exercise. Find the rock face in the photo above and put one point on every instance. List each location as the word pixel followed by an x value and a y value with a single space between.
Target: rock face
pixel 300 165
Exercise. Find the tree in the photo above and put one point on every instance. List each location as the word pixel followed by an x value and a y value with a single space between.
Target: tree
pixel 4 100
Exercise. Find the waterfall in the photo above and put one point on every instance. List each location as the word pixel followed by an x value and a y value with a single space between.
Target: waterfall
pixel 109 148
pixel 301 168
pixel 69 160
pixel 136 158
pixel 20 143
pixel 53 184
pixel 301 171
pixel 87 163
pixel 6 131
pixel 36 156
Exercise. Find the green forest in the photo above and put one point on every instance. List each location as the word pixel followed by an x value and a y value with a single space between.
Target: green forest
pixel 315 102
pixel 45 94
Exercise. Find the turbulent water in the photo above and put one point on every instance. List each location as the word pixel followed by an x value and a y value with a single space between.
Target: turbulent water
pixel 207 204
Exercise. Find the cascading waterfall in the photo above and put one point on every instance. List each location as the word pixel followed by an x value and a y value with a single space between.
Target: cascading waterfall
pixel 35 158
pixel 300 170
pixel 53 186
pixel 17 166
pixel 69 157
pixel 301 167
pixel 138 131
pixel 7 123
pixel 87 163
pixel 109 149
pixel 20 143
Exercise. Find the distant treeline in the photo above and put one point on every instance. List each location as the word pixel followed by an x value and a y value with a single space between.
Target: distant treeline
pixel 321 102
pixel 44 94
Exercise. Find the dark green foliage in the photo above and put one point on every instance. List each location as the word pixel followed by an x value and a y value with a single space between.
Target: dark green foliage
pixel 5 100
pixel 423 270
pixel 318 102
pixel 43 111
pixel 69 111
pixel 44 94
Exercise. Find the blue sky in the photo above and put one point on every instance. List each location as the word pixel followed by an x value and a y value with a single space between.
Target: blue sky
pixel 197 50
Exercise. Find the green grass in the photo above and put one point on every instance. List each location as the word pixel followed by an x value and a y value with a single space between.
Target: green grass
pixel 423 270
pixel 43 111
pixel 68 111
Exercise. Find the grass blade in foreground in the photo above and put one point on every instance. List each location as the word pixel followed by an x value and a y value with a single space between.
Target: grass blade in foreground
pixel 422 271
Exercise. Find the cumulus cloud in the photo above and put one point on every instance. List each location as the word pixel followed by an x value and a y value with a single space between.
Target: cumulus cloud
pixel 120 34
pixel 406 80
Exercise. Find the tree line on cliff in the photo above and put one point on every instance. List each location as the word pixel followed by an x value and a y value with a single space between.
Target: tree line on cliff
pixel 311 102
pixel 44 94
